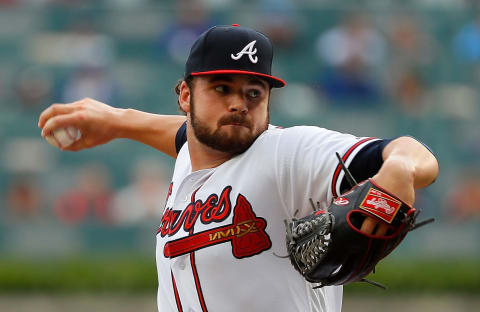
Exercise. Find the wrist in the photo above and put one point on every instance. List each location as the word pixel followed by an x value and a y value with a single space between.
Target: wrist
pixel 397 175
pixel 122 122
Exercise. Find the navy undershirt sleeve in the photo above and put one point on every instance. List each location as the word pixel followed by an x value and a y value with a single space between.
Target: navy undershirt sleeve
pixel 366 163
pixel 369 160
pixel 181 136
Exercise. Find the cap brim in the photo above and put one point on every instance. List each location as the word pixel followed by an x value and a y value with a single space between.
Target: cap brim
pixel 272 80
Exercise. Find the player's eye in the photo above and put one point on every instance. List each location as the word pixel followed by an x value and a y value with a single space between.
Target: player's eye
pixel 221 88
pixel 253 93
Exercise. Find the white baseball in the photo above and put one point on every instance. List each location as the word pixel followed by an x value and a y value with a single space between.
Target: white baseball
pixel 63 137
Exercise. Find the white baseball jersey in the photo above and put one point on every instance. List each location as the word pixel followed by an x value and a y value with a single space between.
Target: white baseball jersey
pixel 223 227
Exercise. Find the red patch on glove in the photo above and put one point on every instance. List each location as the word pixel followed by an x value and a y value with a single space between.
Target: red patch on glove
pixel 381 205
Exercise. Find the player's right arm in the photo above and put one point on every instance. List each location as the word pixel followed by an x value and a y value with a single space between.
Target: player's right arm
pixel 100 123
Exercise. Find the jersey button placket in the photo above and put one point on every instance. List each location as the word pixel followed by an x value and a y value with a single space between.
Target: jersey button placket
pixel 182 265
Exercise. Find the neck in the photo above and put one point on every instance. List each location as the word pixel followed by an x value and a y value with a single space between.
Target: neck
pixel 202 156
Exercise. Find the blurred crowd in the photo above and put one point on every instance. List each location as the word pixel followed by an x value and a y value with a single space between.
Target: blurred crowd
pixel 412 68
pixel 85 194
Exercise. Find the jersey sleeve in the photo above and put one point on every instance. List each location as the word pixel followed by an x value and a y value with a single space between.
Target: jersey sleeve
pixel 364 165
pixel 307 166
pixel 181 137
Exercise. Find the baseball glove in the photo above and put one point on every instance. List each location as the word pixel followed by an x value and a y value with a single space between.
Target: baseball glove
pixel 328 247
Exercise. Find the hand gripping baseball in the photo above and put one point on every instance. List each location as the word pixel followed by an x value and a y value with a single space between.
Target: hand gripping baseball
pixel 329 247
pixel 95 121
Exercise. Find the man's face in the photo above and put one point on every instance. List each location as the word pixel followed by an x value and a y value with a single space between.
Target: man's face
pixel 228 112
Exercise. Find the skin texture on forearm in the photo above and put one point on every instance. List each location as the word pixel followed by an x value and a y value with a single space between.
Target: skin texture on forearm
pixel 415 156
pixel 157 131
pixel 407 165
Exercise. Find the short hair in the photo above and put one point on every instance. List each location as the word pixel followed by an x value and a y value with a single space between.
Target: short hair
pixel 189 82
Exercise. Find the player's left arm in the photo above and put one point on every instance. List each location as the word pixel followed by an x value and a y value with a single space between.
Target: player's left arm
pixel 407 165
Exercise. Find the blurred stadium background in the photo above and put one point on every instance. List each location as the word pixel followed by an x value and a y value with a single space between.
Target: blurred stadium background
pixel 77 230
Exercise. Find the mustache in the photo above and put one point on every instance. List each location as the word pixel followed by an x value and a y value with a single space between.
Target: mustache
pixel 237 119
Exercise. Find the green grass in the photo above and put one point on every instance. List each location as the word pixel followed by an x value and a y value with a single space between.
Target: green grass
pixel 76 274
pixel 425 275
pixel 133 273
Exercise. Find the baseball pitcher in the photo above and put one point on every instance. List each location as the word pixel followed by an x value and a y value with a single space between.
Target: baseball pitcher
pixel 257 217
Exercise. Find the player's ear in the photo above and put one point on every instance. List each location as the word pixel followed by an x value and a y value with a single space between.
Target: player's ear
pixel 184 97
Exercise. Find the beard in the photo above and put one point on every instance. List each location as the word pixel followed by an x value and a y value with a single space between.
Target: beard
pixel 232 142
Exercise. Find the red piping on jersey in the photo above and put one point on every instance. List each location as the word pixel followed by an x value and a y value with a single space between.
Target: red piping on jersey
pixel 177 297
pixel 197 283
pixel 194 268
pixel 344 158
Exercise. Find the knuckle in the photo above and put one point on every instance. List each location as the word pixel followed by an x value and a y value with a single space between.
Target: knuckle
pixel 79 103
pixel 83 103
pixel 81 116
pixel 55 107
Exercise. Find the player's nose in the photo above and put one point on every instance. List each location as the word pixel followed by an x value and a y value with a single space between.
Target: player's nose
pixel 237 103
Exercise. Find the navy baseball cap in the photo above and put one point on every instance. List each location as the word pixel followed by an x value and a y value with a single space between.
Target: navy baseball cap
pixel 232 50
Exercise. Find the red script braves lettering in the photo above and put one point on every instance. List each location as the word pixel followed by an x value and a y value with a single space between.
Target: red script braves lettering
pixel 246 233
